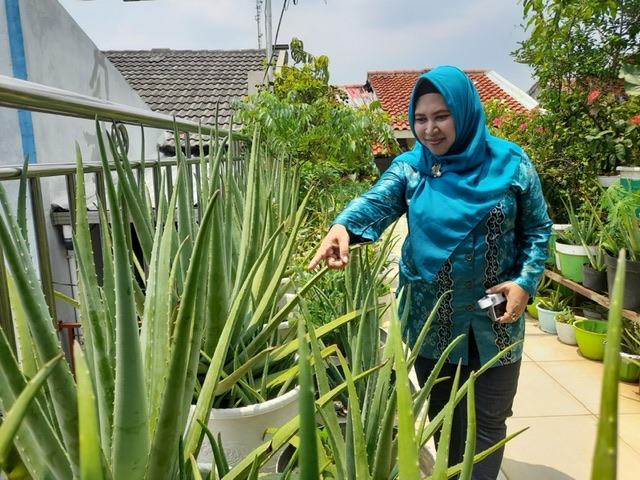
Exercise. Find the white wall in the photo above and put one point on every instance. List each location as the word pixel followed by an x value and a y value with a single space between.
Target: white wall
pixel 59 54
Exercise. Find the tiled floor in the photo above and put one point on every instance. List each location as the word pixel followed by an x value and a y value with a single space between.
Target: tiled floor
pixel 558 403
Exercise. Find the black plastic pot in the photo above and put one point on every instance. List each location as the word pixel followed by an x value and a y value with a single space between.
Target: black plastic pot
pixel 595 280
pixel 631 300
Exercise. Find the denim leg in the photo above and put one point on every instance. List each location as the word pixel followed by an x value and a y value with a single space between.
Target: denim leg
pixel 494 392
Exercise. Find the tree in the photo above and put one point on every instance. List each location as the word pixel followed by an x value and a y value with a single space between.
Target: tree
pixel 577 50
pixel 304 119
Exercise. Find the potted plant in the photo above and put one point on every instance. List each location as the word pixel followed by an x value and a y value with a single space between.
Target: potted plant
pixel 128 415
pixel 572 245
pixel 564 326
pixel 630 351
pixel 622 231
pixel 552 302
pixel 380 436
pixel 133 411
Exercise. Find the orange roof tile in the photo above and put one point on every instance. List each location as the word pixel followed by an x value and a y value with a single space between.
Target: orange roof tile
pixel 393 90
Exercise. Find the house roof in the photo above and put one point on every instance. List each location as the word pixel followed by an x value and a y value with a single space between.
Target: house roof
pixel 393 89
pixel 190 83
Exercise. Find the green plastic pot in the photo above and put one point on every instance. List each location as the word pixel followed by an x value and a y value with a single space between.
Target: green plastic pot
pixel 629 371
pixel 591 335
pixel 572 258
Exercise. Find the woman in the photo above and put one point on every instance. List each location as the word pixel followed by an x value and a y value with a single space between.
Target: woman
pixel 478 224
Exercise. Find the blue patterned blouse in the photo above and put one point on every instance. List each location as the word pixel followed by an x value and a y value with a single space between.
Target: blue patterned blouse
pixel 510 243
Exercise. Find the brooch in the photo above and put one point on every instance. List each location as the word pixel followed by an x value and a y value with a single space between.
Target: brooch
pixel 435 170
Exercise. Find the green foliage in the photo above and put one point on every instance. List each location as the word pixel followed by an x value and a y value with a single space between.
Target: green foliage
pixel 622 227
pixel 566 316
pixel 571 43
pixel 554 299
pixel 630 337
pixel 587 124
pixel 305 121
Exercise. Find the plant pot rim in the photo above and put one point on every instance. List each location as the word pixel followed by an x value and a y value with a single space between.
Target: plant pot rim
pixel 542 307
pixel 257 408
pixel 569 249
pixel 634 356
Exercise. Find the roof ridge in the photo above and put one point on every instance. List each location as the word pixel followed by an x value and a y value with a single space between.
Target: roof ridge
pixel 422 70
pixel 184 50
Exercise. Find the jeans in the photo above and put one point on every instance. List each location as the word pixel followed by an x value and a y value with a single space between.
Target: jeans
pixel 494 393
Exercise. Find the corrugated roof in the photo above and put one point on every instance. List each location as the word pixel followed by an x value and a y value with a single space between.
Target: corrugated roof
pixel 393 89
pixel 189 83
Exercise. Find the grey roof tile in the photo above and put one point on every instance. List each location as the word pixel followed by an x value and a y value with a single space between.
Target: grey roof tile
pixel 189 83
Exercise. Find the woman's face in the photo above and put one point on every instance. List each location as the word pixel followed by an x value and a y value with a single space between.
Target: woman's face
pixel 433 123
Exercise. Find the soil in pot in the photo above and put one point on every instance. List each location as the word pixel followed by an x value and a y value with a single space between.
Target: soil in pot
pixel 631 298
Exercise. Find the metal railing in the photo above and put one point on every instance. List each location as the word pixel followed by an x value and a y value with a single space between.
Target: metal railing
pixel 23 95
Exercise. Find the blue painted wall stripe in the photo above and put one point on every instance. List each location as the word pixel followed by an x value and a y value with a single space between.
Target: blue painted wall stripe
pixel 19 62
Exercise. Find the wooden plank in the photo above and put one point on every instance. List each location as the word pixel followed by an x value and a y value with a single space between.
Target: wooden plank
pixel 590 294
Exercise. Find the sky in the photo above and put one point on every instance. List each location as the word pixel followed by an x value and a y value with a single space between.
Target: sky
pixel 358 36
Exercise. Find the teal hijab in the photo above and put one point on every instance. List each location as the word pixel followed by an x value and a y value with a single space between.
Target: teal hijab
pixel 458 189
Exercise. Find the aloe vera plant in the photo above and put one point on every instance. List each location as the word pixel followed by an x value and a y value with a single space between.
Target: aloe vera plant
pixel 605 456
pixel 208 278
pixel 371 446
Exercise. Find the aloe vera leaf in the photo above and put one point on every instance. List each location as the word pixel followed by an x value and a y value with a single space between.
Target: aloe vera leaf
pixel 41 326
pixel 470 443
pixel 187 333
pixel 407 445
pixel 25 342
pixel 282 377
pixel 218 297
pixel 130 419
pixel 308 458
pixel 18 411
pixel 606 451
pixel 357 464
pixel 155 335
pixel 91 455
pixel 229 381
pixel 38 441
pixel 22 201
pixel 93 313
pixel 326 409
pixel 129 186
pixel 251 219
pixel 442 453
pixel 319 332
pixel 185 217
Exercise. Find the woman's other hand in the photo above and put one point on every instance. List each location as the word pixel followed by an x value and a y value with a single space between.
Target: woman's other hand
pixel 517 298
pixel 334 249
